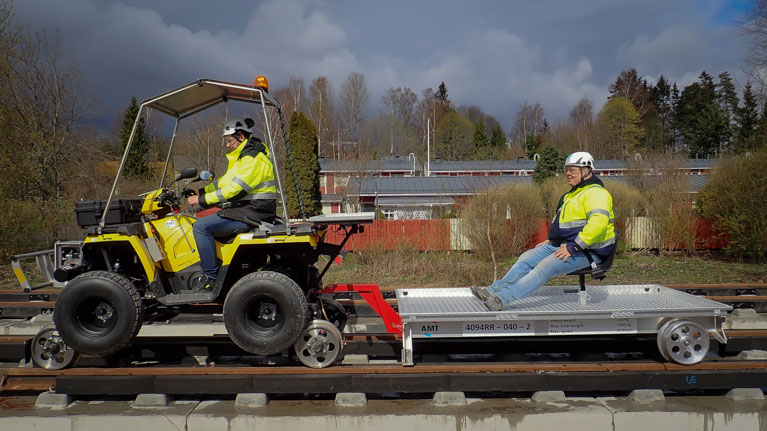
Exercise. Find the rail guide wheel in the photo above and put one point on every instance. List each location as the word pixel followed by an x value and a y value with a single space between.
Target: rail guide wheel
pixel 320 344
pixel 50 352
pixel 683 341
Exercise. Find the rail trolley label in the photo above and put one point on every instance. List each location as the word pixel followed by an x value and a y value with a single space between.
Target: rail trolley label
pixel 499 327
pixel 593 326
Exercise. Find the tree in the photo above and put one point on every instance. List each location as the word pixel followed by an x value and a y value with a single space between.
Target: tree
pixel 303 142
pixel 136 165
pixel 320 107
pixel 441 94
pixel 728 106
pixel 747 120
pixel 296 86
pixel 42 103
pixel 755 28
pixel 634 88
pixel 498 138
pixel 619 122
pixel 701 122
pixel 354 99
pixel 663 116
pixel 453 137
pixel 480 137
pixel 549 165
pixel 582 120
pixel 529 121
pixel 390 101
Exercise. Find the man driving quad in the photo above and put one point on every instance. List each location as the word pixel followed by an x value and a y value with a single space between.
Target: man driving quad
pixel 246 194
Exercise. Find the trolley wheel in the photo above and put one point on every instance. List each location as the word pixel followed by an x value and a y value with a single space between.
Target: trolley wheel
pixel 98 313
pixel 265 312
pixel 335 313
pixel 49 350
pixel 319 345
pixel 683 341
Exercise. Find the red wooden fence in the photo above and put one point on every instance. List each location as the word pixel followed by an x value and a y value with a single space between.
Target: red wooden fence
pixel 435 235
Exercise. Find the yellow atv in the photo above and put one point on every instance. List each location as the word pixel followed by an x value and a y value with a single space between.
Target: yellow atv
pixel 138 261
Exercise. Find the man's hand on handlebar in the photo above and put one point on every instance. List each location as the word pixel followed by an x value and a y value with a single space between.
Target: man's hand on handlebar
pixel 193 200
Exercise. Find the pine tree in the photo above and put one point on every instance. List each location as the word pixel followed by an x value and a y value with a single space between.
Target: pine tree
pixel 137 164
pixel 498 137
pixel 747 119
pixel 728 105
pixel 702 124
pixel 550 164
pixel 441 93
pixel 480 136
pixel 303 142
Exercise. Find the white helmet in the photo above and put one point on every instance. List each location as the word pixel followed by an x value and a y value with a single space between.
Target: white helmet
pixel 238 124
pixel 580 158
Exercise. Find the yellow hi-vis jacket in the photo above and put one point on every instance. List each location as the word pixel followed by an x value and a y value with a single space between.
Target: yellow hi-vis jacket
pixel 247 191
pixel 585 217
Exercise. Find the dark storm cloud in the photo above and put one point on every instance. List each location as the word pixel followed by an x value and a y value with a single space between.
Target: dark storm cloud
pixel 495 54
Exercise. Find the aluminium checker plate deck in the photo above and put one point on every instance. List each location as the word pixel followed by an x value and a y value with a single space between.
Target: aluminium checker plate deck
pixel 552 311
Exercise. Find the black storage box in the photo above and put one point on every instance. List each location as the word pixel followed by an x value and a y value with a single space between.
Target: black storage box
pixel 120 211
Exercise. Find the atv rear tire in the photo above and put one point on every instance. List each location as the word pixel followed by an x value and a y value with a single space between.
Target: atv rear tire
pixel 98 313
pixel 265 312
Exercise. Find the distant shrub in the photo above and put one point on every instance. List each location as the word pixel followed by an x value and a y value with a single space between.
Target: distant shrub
pixel 735 197
pixel 499 222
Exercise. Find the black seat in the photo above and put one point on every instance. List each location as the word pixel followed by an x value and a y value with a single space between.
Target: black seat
pixel 598 272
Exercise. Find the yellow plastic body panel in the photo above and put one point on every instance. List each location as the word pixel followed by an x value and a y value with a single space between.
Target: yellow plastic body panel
pixel 135 242
pixel 151 204
pixel 226 252
pixel 175 238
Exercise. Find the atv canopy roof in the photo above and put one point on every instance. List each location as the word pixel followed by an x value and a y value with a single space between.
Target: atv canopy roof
pixel 203 94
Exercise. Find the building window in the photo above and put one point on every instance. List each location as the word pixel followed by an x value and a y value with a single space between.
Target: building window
pixel 388 214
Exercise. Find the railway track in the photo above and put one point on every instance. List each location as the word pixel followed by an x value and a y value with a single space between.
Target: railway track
pixel 163 364
pixel 423 378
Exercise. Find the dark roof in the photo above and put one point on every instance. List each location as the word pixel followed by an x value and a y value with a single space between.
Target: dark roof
pixel 457 186
pixel 402 164
pixel 428 186
pixel 482 165
pixel 395 164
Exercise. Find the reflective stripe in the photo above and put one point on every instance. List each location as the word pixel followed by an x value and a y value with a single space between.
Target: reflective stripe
pixel 215 183
pixel 220 195
pixel 597 211
pixel 263 196
pixel 263 185
pixel 242 184
pixel 581 243
pixel 572 224
pixel 598 245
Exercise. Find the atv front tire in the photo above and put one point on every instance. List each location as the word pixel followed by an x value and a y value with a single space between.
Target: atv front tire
pixel 98 313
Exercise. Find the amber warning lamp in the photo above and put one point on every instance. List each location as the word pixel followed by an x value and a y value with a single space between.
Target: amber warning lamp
pixel 261 82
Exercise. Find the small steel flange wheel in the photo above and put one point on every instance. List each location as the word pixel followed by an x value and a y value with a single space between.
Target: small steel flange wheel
pixel 320 344
pixel 683 341
pixel 50 352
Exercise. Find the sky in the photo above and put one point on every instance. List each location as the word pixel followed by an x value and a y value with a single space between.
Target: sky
pixel 495 54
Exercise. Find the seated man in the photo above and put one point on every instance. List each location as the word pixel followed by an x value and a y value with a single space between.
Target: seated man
pixel 246 193
pixel 583 224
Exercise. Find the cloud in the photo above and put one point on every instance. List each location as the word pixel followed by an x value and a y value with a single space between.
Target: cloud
pixel 494 57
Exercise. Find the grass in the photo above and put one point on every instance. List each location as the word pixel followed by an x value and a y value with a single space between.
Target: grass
pixel 405 267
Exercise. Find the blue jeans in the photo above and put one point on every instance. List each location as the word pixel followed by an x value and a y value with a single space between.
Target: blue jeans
pixel 531 271
pixel 205 231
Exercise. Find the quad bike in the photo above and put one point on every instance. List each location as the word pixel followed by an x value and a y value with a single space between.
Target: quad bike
pixel 138 262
